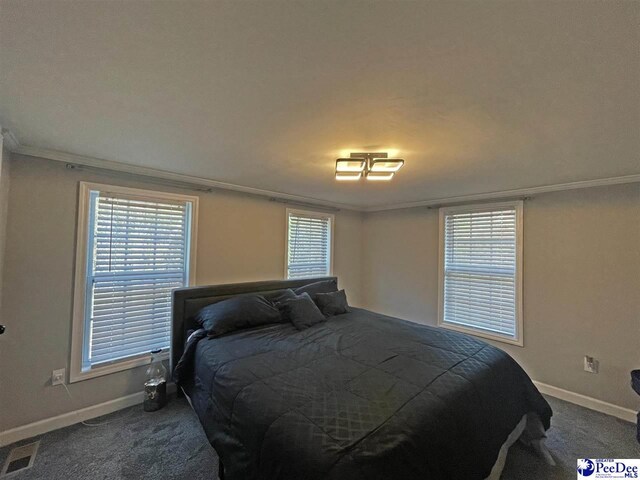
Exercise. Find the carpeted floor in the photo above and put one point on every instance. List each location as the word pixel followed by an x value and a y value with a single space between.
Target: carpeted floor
pixel 169 444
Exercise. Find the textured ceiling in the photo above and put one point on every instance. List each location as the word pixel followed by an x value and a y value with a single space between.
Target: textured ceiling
pixel 476 96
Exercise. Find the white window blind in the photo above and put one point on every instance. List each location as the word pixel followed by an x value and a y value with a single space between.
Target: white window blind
pixel 480 269
pixel 308 244
pixel 138 252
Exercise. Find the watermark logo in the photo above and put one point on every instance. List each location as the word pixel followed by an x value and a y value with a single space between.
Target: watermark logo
pixel 608 468
pixel 586 467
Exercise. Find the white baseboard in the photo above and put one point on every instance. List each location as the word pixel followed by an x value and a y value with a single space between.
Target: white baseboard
pixel 60 421
pixel 48 424
pixel 587 402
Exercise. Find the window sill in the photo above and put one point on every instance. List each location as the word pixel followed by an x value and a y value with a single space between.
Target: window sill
pixel 487 336
pixel 117 366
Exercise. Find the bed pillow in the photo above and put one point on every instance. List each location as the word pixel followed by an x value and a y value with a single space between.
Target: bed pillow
pixel 334 303
pixel 301 311
pixel 236 313
pixel 313 289
pixel 183 373
pixel 281 296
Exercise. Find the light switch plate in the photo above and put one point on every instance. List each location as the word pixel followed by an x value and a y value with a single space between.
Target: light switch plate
pixel 590 364
pixel 57 377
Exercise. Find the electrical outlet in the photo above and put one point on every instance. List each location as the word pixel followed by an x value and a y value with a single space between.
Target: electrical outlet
pixel 591 364
pixel 57 377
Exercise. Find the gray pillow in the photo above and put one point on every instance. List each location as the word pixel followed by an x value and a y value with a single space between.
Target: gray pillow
pixel 334 303
pixel 280 296
pixel 313 289
pixel 301 311
pixel 236 313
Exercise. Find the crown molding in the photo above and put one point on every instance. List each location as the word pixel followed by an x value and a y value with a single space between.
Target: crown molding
pixel 210 184
pixel 173 177
pixel 506 194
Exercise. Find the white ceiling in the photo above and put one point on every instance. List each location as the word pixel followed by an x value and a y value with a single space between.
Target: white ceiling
pixel 476 96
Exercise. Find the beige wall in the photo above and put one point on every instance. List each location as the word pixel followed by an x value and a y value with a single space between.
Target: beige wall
pixel 581 284
pixel 581 280
pixel 241 238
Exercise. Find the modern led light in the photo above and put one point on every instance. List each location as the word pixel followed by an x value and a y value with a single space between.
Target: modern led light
pixel 380 176
pixel 350 165
pixel 372 166
pixel 386 164
pixel 348 176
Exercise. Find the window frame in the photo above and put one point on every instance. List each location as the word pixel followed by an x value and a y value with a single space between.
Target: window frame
pixel 518 340
pixel 312 213
pixel 80 296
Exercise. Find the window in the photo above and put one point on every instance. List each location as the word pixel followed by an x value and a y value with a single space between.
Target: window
pixel 309 244
pixel 481 270
pixel 134 247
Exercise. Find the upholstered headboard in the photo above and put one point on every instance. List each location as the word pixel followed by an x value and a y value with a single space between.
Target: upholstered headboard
pixel 187 302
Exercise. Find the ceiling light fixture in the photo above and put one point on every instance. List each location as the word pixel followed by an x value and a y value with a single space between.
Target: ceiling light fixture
pixel 350 165
pixel 380 176
pixel 390 165
pixel 372 166
pixel 348 176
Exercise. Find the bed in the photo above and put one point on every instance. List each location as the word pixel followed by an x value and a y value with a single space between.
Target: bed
pixel 360 396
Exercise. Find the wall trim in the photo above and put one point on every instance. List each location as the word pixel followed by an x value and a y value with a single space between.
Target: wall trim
pixel 587 402
pixel 208 184
pixel 178 179
pixel 70 418
pixel 46 425
pixel 510 194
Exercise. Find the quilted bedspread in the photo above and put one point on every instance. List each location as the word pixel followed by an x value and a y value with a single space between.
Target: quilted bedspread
pixel 360 396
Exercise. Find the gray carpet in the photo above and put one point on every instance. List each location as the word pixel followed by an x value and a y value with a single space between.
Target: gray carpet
pixel 169 444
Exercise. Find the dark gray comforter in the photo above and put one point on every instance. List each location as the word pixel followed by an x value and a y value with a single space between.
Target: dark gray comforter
pixel 361 396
